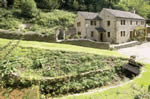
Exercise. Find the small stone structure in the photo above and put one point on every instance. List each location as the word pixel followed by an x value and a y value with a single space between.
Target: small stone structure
pixel 133 66
pixel 60 34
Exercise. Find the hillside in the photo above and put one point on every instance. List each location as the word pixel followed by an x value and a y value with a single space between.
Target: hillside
pixel 44 23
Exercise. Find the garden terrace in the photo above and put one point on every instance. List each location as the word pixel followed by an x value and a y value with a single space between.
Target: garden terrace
pixel 62 72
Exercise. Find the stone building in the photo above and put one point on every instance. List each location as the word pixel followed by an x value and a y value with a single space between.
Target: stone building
pixel 109 25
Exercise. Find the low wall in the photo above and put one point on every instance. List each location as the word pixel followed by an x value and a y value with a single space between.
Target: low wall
pixel 125 45
pixel 87 43
pixel 30 36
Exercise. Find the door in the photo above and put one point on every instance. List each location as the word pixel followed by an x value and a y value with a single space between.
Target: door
pixel 131 35
pixel 101 37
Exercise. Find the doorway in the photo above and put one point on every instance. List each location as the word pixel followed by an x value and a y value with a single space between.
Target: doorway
pixel 101 36
pixel 131 35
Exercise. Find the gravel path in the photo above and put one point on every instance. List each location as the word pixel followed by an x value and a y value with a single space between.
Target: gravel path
pixel 142 52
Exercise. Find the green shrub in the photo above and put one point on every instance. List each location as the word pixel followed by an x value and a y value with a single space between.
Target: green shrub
pixel 28 8
pixel 37 64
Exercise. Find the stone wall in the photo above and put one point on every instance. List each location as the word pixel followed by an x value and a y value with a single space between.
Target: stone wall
pixel 125 45
pixel 88 43
pixel 30 36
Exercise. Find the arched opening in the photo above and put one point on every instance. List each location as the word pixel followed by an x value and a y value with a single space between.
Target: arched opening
pixel 60 34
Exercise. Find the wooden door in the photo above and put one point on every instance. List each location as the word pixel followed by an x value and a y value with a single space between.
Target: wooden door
pixel 131 35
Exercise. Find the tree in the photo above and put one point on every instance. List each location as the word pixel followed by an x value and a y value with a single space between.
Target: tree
pixel 48 4
pixel 28 8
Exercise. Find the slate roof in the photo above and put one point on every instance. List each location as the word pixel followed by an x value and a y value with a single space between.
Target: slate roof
pixel 100 29
pixel 123 14
pixel 90 15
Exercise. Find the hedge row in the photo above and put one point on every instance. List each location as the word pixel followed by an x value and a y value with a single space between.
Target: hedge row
pixel 29 36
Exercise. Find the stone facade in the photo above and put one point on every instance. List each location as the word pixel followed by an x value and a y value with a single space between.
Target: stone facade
pixel 116 28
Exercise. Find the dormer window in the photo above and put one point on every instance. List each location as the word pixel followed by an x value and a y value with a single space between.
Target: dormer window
pixel 78 24
pixel 93 23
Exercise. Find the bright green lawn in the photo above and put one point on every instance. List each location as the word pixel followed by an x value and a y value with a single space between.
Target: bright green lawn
pixel 65 47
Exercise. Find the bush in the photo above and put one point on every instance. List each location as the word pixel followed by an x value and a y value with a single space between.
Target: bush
pixel 28 8
pixel 37 64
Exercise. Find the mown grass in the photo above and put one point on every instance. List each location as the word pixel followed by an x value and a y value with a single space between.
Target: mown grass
pixel 65 47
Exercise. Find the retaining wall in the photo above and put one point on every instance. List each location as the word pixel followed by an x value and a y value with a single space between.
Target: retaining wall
pixel 30 36
pixel 87 43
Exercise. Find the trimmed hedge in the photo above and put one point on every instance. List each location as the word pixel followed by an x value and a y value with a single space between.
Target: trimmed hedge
pixel 30 36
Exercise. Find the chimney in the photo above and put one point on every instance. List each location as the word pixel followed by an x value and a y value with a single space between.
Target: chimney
pixel 133 11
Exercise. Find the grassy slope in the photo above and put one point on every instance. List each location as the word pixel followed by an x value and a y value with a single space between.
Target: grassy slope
pixel 124 92
pixel 56 46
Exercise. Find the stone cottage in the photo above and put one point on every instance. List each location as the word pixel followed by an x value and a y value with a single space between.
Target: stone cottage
pixel 109 25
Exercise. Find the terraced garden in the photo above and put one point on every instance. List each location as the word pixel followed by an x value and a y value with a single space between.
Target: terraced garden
pixel 62 72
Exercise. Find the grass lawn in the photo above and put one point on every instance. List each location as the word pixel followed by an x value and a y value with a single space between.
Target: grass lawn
pixel 56 46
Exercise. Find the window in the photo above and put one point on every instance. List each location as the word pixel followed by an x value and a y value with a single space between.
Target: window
pixel 123 22
pixel 78 24
pixel 131 22
pixel 142 22
pixel 92 33
pixel 108 34
pixel 108 23
pixel 123 33
pixel 79 33
pixel 136 22
pixel 93 23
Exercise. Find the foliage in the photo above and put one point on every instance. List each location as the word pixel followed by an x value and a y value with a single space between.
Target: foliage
pixel 28 8
pixel 142 7
pixel 140 33
pixel 48 4
pixel 7 64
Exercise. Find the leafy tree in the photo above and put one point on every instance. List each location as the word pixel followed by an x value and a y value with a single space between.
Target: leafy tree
pixel 142 7
pixel 48 4
pixel 28 8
